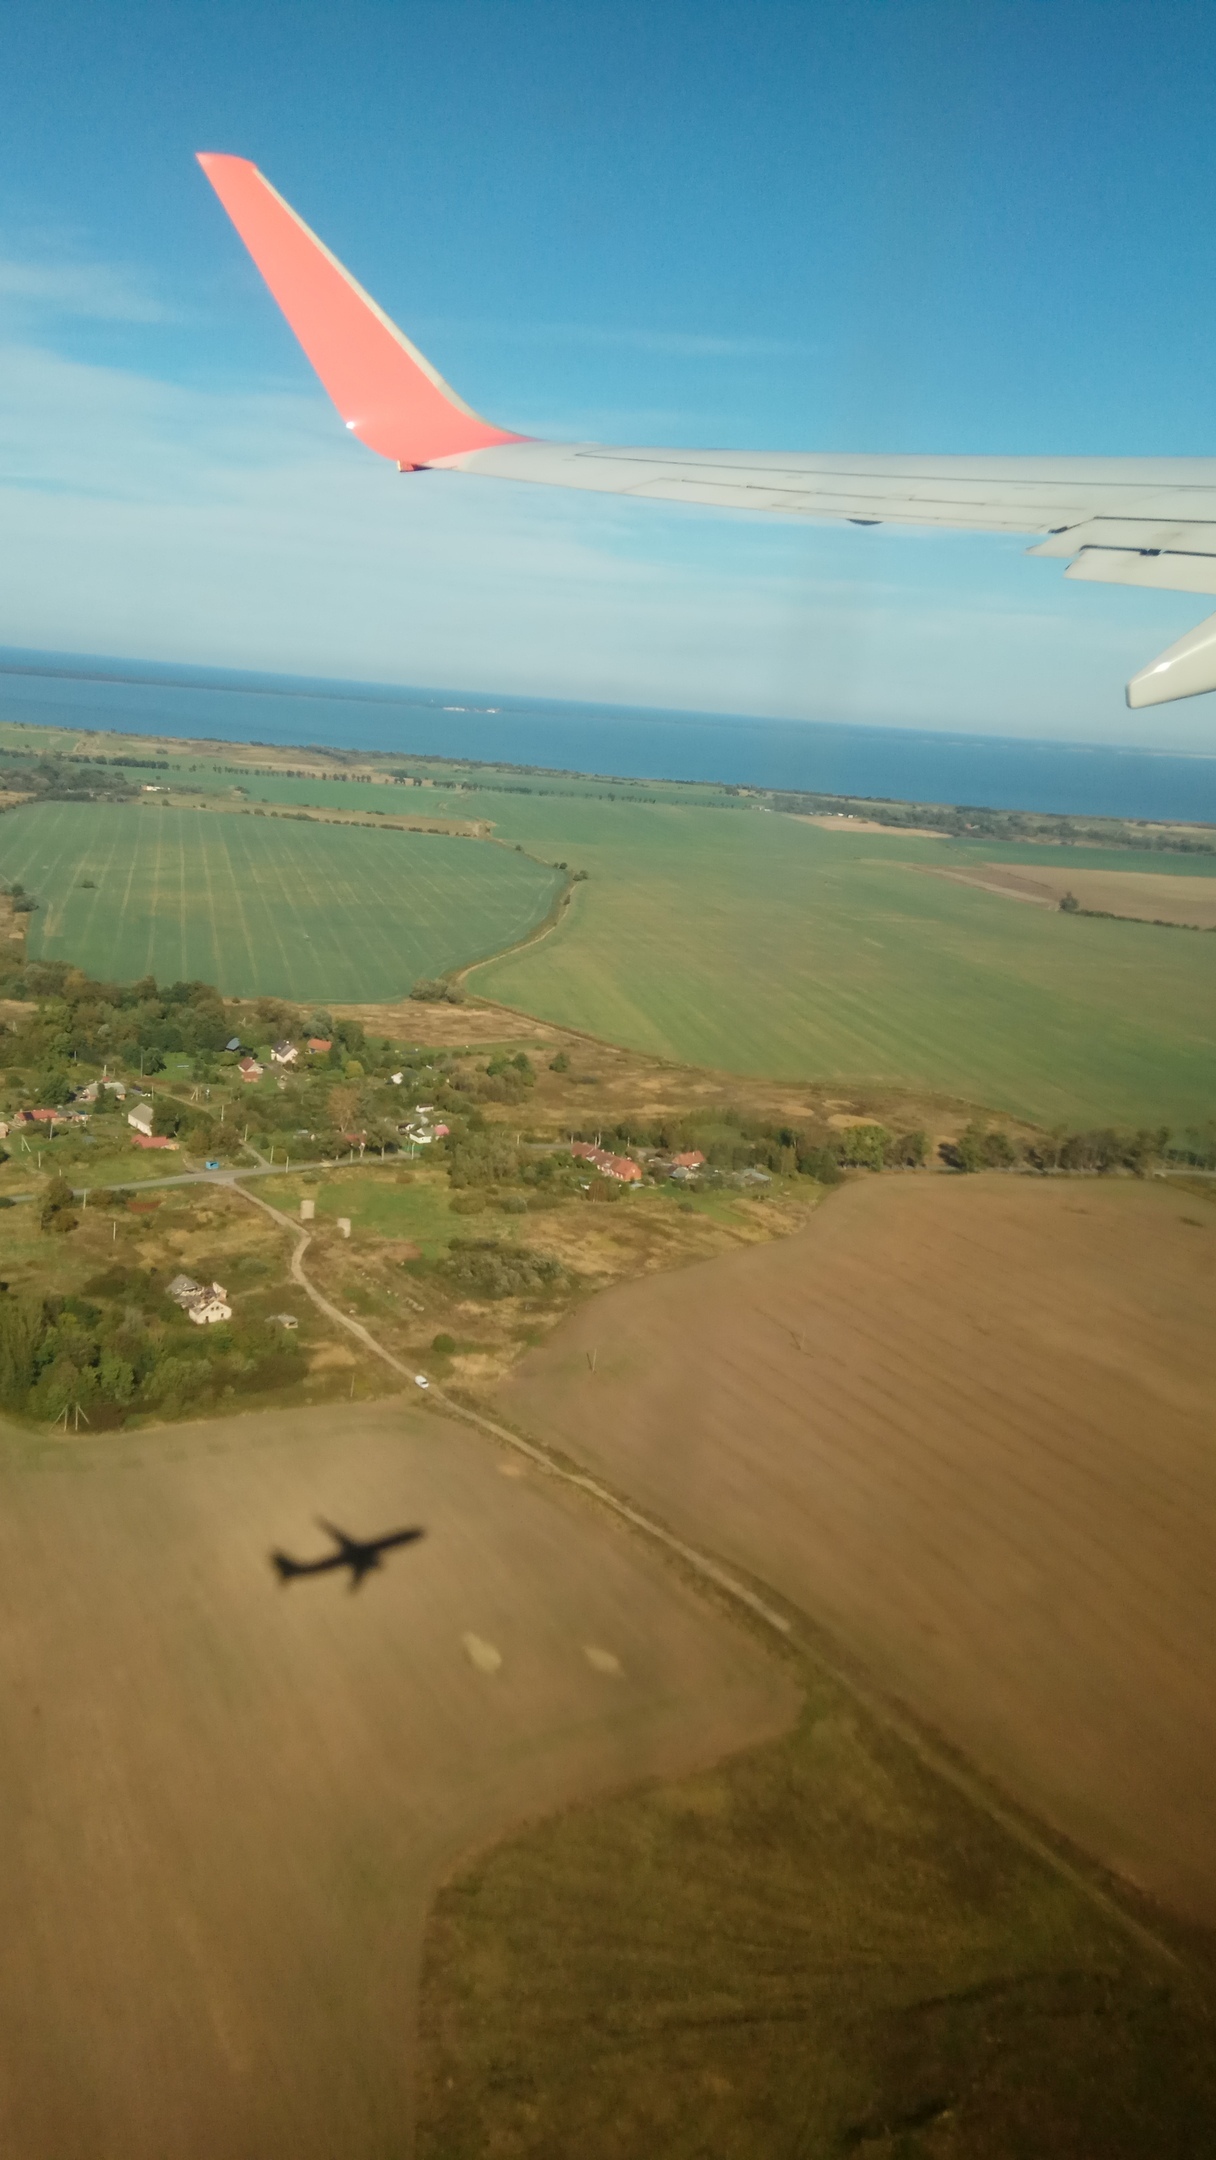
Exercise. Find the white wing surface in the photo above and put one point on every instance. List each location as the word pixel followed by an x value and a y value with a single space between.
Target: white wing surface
pixel 1120 521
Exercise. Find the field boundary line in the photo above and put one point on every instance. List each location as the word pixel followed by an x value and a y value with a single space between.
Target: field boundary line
pixel 935 1755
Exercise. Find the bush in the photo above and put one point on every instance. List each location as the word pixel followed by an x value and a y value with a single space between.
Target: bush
pixel 908 1150
pixel 560 1063
pixel 481 1158
pixel 979 1148
pixel 57 1206
pixel 486 1268
pixel 444 1345
pixel 820 1164
pixel 864 1147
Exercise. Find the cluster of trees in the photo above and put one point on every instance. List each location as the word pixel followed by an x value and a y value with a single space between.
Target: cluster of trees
pixel 731 1141
pixel 120 1348
pixel 502 1079
pixel 976 821
pixel 481 1155
pixel 1105 1150
pixel 71 1016
pixel 491 1268
pixel 60 779
pixel 74 1021
pixel 436 990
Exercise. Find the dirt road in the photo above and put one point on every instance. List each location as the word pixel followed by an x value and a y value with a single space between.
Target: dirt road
pixel 970 1424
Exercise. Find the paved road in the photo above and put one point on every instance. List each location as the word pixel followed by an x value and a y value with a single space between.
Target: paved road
pixel 229 1177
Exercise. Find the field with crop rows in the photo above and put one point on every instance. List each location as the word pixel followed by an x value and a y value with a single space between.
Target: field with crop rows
pixel 263 906
pixel 762 944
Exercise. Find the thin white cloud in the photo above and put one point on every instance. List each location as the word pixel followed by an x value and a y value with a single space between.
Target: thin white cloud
pixel 61 291
pixel 679 344
pixel 155 520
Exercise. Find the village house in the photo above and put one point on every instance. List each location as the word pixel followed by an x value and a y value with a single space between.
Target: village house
pixel 205 1305
pixel 249 1069
pixel 318 1045
pixel 208 1311
pixel 693 1159
pixel 141 1119
pixel 621 1167
pixel 153 1140
pixel 284 1053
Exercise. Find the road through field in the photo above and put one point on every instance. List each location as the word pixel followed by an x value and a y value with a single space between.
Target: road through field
pixel 225 1805
pixel 969 1424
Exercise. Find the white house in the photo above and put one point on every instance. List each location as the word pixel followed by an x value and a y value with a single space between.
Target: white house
pixel 141 1119
pixel 202 1305
pixel 208 1310
pixel 284 1053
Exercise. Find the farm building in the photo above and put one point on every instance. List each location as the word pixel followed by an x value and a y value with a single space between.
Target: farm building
pixel 154 1140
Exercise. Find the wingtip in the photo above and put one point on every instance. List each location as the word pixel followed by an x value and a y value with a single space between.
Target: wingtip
pixel 209 158
pixel 388 394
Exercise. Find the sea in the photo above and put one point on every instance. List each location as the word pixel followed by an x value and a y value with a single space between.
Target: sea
pixel 880 763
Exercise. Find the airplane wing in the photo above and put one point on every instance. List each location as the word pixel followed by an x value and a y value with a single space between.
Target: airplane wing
pixel 1121 521
pixel 349 1546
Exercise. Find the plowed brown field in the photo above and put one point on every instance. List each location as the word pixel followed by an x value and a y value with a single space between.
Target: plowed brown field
pixel 224 1805
pixel 969 1424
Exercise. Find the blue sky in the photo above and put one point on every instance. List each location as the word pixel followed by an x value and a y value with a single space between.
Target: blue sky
pixel 858 226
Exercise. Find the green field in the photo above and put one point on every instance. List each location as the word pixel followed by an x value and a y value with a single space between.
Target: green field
pixel 710 932
pixel 818 1949
pixel 306 910
pixel 760 944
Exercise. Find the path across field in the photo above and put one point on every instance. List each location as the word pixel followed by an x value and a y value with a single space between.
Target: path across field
pixel 969 1424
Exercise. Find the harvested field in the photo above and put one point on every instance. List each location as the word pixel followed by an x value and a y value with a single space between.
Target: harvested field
pixel 968 1424
pixel 225 1805
pixel 1134 895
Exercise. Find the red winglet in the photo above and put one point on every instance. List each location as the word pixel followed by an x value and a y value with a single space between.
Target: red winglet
pixel 388 395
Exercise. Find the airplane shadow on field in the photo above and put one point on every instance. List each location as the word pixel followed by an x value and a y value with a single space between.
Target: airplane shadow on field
pixel 361 1555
